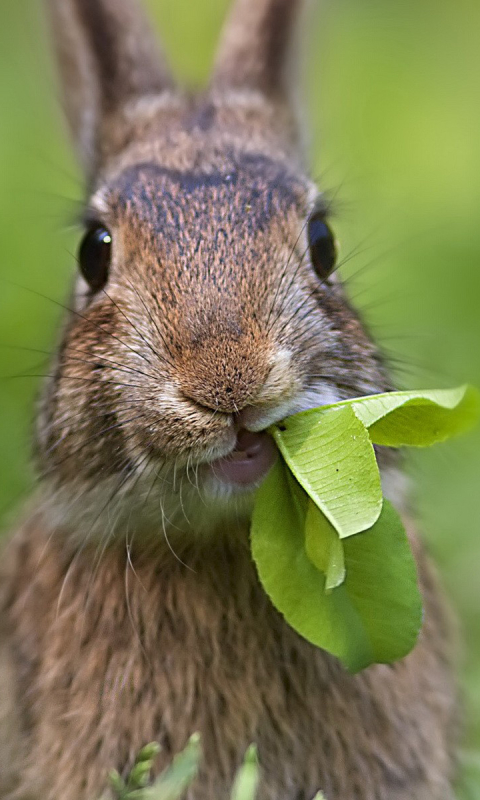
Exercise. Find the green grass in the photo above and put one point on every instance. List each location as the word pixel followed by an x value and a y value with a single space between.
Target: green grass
pixel 393 95
pixel 180 774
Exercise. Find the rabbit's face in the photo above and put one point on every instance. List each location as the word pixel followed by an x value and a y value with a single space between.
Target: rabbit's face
pixel 209 313
pixel 208 308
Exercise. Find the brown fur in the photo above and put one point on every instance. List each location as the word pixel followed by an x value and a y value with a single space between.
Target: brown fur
pixel 212 318
pixel 112 655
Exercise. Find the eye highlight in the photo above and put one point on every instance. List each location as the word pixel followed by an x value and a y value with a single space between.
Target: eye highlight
pixel 94 256
pixel 323 250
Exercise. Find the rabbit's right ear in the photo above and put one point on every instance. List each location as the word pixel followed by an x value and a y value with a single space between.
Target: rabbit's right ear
pixel 257 54
pixel 108 56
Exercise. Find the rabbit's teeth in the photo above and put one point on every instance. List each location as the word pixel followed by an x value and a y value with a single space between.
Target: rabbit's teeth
pixel 249 462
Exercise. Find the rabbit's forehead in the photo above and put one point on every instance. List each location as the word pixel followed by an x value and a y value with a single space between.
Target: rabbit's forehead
pixel 245 193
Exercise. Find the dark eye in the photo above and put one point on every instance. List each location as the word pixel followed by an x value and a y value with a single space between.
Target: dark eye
pixel 323 251
pixel 94 256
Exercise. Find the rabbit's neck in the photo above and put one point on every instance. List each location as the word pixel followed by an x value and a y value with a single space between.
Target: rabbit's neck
pixel 142 517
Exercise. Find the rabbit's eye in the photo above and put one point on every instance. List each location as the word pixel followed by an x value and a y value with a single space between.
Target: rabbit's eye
pixel 323 251
pixel 94 257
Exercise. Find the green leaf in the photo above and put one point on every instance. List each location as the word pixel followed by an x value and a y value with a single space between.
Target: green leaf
pixel 295 586
pixel 173 782
pixel 382 584
pixel 117 783
pixel 247 779
pixel 331 455
pixel 374 616
pixel 333 557
pixel 418 419
pixel 148 753
pixel 139 776
pixel 324 547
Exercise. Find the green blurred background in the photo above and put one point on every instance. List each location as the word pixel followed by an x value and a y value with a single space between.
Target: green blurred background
pixel 393 92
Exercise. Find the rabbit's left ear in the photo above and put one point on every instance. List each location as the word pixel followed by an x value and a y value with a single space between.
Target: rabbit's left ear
pixel 257 54
pixel 108 57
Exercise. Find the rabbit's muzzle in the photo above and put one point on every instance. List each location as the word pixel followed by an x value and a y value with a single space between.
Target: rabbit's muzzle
pixel 223 372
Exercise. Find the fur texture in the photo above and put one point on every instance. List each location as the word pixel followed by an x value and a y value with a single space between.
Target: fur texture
pixel 112 653
pixel 131 607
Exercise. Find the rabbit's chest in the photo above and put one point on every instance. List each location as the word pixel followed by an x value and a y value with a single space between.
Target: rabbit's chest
pixel 112 654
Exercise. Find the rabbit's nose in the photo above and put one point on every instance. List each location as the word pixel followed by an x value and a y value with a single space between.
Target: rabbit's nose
pixel 225 374
pixel 228 396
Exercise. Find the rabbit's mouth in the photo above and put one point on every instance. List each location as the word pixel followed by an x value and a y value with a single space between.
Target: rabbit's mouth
pixel 249 462
pixel 254 452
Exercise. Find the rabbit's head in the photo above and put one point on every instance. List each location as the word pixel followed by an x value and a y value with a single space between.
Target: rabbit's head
pixel 206 307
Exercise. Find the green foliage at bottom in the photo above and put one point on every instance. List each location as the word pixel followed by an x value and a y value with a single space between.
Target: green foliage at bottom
pixel 179 775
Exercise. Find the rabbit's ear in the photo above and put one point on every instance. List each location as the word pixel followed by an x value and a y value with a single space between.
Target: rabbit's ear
pixel 108 57
pixel 256 50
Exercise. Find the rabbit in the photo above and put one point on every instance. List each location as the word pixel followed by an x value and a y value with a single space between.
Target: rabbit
pixel 206 308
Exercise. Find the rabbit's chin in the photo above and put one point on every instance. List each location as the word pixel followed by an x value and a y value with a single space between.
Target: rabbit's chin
pixel 179 507
pixel 169 503
pixel 173 507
